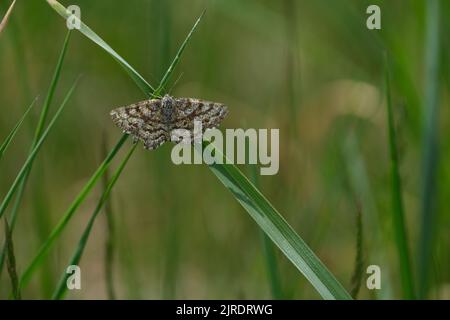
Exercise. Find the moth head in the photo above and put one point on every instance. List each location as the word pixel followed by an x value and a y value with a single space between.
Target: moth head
pixel 167 105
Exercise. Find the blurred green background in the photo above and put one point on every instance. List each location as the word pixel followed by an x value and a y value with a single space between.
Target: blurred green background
pixel 310 68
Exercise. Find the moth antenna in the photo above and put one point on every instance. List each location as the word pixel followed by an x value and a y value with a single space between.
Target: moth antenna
pixel 176 82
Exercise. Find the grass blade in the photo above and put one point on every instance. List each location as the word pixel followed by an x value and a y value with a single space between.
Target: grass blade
pixel 6 17
pixel 84 29
pixel 430 146
pixel 398 215
pixel 293 85
pixel 170 264
pixel 61 288
pixel 52 89
pixel 93 180
pixel 176 60
pixel 40 127
pixel 38 133
pixel 272 268
pixel 43 224
pixel 358 271
pixel 13 132
pixel 269 252
pixel 11 262
pixel 109 242
pixel 279 231
pixel 33 154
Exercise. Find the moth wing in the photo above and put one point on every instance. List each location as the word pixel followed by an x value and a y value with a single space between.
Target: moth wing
pixel 209 113
pixel 143 121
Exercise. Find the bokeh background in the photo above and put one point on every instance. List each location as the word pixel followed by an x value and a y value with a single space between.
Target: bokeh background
pixel 310 68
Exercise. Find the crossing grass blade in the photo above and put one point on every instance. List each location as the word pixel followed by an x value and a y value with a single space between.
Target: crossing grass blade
pixel 37 134
pixel 76 257
pixel 84 29
pixel 52 88
pixel 100 171
pixel 69 212
pixel 33 153
pixel 40 127
pixel 176 60
pixel 259 208
pixel 12 134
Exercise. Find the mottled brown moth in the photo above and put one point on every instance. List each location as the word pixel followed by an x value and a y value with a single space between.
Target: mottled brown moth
pixel 152 121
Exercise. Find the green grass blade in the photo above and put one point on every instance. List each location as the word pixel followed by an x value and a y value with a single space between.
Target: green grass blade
pixel 398 215
pixel 33 154
pixel 108 262
pixel 293 85
pixel 69 212
pixel 6 17
pixel 272 268
pixel 40 127
pixel 269 252
pixel 87 188
pixel 11 262
pixel 52 89
pixel 13 132
pixel 176 60
pixel 170 264
pixel 430 146
pixel 84 29
pixel 61 288
pixel 279 231
pixel 38 132
pixel 358 269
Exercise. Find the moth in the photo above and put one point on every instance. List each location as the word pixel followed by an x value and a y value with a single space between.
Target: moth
pixel 153 121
